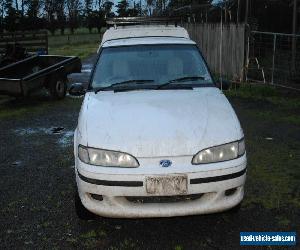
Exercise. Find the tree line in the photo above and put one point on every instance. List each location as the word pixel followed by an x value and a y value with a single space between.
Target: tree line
pixel 264 15
pixel 18 15
pixel 267 15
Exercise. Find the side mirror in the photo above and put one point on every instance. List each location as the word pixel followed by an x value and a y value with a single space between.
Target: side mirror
pixel 77 89
pixel 223 84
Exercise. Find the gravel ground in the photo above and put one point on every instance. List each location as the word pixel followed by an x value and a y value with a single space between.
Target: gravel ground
pixel 38 184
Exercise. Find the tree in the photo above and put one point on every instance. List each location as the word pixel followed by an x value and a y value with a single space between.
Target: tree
pixel 49 8
pixel 272 15
pixel 2 11
pixel 73 7
pixel 135 10
pixel 32 8
pixel 32 21
pixel 61 16
pixel 122 8
pixel 12 18
pixel 107 7
pixel 17 5
pixel 98 16
pixel 88 14
pixel 198 10
pixel 150 5
pixel 160 6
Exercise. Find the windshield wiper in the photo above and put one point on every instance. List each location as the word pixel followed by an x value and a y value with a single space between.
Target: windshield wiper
pixel 181 79
pixel 136 81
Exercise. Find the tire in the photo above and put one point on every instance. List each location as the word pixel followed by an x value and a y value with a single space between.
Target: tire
pixel 81 211
pixel 58 88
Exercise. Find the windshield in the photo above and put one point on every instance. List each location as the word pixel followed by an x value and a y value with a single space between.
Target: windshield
pixel 150 65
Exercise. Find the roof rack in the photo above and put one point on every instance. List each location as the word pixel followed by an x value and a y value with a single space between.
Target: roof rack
pixel 122 21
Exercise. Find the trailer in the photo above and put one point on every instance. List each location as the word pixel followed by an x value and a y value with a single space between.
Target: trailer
pixel 41 71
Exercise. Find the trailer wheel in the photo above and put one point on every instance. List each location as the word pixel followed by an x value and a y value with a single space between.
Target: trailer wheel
pixel 58 88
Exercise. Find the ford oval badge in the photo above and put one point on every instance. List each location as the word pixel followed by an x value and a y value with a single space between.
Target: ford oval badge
pixel 165 163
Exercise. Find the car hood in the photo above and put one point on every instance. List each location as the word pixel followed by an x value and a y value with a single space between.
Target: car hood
pixel 156 123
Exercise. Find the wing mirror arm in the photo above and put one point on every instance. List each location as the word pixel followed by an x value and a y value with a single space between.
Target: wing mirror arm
pixel 223 84
pixel 77 89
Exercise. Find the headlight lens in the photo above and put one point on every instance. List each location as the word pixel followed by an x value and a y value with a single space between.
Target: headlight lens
pixel 220 153
pixel 106 158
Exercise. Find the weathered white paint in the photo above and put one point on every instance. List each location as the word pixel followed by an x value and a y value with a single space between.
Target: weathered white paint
pixel 144 31
pixel 115 204
pixel 160 123
pixel 148 40
pixel 153 125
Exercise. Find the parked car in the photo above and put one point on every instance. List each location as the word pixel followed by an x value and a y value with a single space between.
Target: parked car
pixel 155 137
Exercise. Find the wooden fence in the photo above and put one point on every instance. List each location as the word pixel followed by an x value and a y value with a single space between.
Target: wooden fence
pixel 31 41
pixel 229 43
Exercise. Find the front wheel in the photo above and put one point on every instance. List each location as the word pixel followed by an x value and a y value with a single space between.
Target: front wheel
pixel 58 88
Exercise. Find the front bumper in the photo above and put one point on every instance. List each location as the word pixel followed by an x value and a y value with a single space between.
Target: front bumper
pixel 112 195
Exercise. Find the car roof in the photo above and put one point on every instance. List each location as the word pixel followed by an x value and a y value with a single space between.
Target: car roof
pixel 144 31
pixel 146 41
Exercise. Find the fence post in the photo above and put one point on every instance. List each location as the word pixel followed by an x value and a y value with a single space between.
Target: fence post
pixel 273 63
pixel 247 56
pixel 294 51
pixel 247 34
pixel 221 52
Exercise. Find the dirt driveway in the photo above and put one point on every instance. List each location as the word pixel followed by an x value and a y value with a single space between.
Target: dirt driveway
pixel 38 183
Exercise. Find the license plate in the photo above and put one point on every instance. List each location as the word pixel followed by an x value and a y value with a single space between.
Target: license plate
pixel 166 185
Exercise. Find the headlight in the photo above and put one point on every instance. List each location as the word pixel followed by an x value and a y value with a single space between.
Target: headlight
pixel 106 158
pixel 220 153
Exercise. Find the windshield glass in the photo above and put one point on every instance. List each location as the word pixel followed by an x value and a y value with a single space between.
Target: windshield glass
pixel 150 65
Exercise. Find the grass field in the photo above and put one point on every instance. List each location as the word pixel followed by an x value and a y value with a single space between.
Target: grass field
pixel 270 117
pixel 82 50
pixel 288 105
pixel 74 39
pixel 81 43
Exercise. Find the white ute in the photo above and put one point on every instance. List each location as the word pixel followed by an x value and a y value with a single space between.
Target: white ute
pixel 155 136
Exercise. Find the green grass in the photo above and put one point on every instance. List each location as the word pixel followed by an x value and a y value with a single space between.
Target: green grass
pixel 273 172
pixel 286 109
pixel 265 93
pixel 81 43
pixel 276 117
pixel 74 39
pixel 90 234
pixel 83 50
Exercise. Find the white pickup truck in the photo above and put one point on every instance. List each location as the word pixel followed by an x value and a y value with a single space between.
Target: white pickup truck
pixel 155 137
